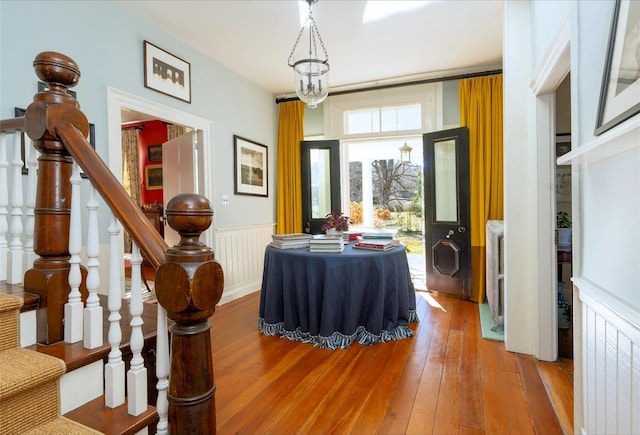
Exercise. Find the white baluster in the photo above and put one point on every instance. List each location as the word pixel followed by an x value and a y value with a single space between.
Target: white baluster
pixel 30 202
pixel 4 203
pixel 93 312
pixel 114 369
pixel 16 251
pixel 162 372
pixel 137 374
pixel 73 309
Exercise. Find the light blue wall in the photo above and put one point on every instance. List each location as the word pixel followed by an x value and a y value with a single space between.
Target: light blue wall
pixel 609 197
pixel 106 41
pixel 450 102
pixel 546 16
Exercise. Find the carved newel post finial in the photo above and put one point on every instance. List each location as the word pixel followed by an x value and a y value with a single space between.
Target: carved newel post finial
pixel 188 286
pixel 51 108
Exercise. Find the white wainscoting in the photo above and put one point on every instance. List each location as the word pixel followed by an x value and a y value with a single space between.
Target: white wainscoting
pixel 240 252
pixel 611 363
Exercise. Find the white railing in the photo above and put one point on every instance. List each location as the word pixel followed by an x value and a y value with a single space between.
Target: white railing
pixel 4 203
pixel 15 269
pixel 83 322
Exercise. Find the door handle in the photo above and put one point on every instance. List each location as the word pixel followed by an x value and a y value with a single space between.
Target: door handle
pixel 449 234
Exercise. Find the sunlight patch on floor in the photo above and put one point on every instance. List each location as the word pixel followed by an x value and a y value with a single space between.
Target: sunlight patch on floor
pixel 431 300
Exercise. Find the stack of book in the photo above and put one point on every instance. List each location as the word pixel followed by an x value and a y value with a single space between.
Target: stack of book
pixel 322 243
pixel 377 241
pixel 290 241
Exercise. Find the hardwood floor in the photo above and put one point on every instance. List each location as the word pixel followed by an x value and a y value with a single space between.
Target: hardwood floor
pixel 444 380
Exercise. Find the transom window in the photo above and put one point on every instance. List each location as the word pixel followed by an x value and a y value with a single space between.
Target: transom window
pixel 383 119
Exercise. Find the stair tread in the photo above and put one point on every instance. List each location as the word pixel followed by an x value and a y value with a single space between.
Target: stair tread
pixel 75 355
pixel 20 369
pixel 110 421
pixel 30 300
pixel 10 303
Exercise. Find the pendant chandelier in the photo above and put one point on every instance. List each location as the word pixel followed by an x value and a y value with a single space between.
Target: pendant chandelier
pixel 311 73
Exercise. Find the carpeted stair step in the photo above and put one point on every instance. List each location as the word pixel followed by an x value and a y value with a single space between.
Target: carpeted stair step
pixel 9 321
pixel 29 398
pixel 28 389
pixel 61 425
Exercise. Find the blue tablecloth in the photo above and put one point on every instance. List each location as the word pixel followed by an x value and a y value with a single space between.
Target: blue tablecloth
pixel 334 299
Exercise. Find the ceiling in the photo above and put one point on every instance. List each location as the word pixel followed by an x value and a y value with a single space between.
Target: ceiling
pixel 254 38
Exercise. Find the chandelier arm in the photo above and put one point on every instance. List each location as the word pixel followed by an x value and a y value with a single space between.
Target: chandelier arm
pixel 326 55
pixel 295 45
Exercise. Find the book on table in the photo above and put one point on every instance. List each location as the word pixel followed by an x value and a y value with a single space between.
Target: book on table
pixel 322 239
pixel 290 245
pixel 290 241
pixel 378 235
pixel 376 244
pixel 291 236
pixel 322 243
pixel 379 240
pixel 326 248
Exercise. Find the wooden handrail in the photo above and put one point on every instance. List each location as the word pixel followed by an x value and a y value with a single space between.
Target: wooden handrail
pixel 60 120
pixel 59 129
pixel 13 124
pixel 130 215
pixel 189 281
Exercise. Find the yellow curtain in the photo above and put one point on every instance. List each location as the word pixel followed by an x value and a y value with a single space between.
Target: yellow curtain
pixel 290 133
pixel 481 111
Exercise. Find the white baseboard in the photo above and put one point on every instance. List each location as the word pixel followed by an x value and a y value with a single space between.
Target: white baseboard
pixel 231 294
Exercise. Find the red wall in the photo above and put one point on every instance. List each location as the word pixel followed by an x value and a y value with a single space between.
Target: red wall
pixel 153 133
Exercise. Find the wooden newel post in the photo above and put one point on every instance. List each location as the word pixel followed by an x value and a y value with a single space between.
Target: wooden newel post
pixel 50 108
pixel 188 286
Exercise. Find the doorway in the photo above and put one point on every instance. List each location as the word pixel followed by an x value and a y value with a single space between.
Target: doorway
pixel 447 212
pixel 563 202
pixel 383 190
pixel 119 103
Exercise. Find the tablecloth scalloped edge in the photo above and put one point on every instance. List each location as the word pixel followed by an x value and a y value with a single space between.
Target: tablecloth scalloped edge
pixel 338 340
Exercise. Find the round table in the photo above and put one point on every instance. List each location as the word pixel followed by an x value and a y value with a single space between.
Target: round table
pixel 334 299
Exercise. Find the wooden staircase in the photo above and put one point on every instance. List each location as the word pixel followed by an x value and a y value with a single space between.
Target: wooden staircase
pixel 74 324
pixel 73 357
pixel 29 397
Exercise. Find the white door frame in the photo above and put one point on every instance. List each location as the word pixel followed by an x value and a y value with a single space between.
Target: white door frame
pixel 554 67
pixel 118 100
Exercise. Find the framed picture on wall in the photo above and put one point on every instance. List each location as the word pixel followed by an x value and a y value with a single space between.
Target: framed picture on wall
pixel 166 73
pixel 251 175
pixel 621 77
pixel 153 177
pixel 155 153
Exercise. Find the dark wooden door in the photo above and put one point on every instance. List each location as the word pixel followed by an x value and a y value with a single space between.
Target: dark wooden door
pixel 447 237
pixel 320 173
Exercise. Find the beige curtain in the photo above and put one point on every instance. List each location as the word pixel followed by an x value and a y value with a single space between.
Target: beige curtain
pixel 174 131
pixel 130 171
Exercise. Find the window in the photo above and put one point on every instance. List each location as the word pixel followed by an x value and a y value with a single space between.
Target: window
pixel 383 119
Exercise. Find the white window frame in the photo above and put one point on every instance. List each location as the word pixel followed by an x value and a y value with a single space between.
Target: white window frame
pixel 429 96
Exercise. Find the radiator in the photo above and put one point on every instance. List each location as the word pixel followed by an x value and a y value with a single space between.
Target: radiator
pixel 495 271
pixel 240 252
